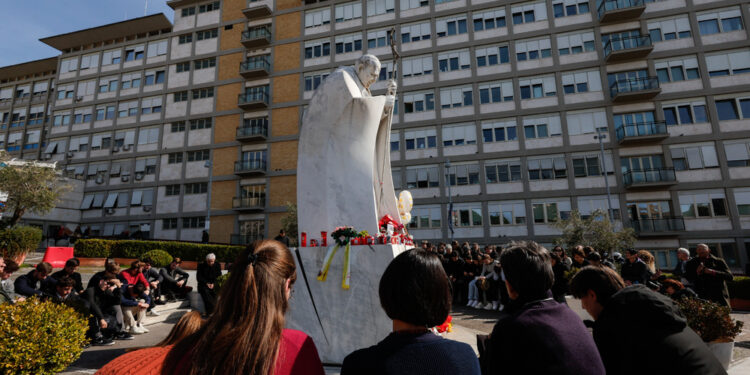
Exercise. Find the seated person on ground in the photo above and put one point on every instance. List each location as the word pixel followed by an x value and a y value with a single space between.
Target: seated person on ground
pixel 104 301
pixel 7 289
pixel 134 275
pixel 174 281
pixel 415 293
pixel 70 270
pixel 135 301
pixel 36 282
pixel 109 267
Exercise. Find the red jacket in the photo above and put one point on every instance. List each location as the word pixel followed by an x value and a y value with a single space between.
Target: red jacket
pixel 132 280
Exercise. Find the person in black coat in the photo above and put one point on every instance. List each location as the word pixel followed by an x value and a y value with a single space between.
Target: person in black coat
pixel 454 267
pixel 709 275
pixel 634 271
pixel 282 238
pixel 37 282
pixel 207 274
pixel 415 293
pixel 103 301
pixel 560 286
pixel 71 266
pixel 174 280
pixel 638 330
pixel 535 334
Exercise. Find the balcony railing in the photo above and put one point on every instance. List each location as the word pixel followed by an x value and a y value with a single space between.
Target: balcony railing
pixel 255 97
pixel 641 131
pixel 649 177
pixel 248 203
pixel 256 36
pixel 635 88
pixel 244 239
pixel 628 48
pixel 255 66
pixel 250 167
pixel 666 224
pixel 618 10
pixel 252 132
pixel 255 10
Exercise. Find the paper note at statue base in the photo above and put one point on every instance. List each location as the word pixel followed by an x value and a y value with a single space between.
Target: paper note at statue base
pixel 346 320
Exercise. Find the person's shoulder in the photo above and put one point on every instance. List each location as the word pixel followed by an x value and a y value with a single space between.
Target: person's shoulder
pixel 294 337
pixel 142 361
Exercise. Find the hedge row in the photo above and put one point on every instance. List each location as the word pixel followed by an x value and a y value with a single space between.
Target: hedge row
pixel 739 287
pixel 96 248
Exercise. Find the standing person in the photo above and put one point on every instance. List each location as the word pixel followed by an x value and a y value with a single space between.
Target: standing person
pixel 537 335
pixel 207 274
pixel 636 327
pixel 135 301
pixel 579 258
pixel 35 283
pixel 204 236
pixel 680 269
pixel 282 238
pixel 708 275
pixel 71 270
pixel 634 271
pixel 415 293
pixel 560 285
pixel 174 280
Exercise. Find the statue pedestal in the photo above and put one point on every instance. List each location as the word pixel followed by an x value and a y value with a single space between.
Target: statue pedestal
pixel 340 321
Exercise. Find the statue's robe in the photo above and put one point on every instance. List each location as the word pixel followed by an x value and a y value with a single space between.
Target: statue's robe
pixel 343 167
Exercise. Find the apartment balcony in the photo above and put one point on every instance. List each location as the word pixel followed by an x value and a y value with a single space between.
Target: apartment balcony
pixel 642 132
pixel 244 239
pixel 649 178
pixel 256 37
pixel 634 89
pixel 254 98
pixel 255 10
pixel 660 226
pixel 249 203
pixel 620 10
pixel 634 47
pixel 250 133
pixel 255 67
pixel 250 168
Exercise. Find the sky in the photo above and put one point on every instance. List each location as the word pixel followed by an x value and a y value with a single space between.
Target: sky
pixel 24 22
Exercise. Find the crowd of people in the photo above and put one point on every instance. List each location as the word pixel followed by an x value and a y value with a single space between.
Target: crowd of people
pixel 635 321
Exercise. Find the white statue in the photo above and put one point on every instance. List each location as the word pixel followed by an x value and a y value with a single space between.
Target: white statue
pixel 343 168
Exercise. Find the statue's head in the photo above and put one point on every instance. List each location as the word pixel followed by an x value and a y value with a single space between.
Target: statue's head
pixel 368 69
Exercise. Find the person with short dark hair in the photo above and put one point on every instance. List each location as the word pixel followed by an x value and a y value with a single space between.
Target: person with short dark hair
pixel 64 290
pixel 36 282
pixel 560 286
pixel 7 289
pixel 536 334
pixel 634 271
pixel 174 281
pixel 282 238
pixel 206 275
pixel 104 301
pixel 154 279
pixel 636 327
pixel 109 267
pixel 454 268
pixel 415 293
pixel 70 270
pixel 579 258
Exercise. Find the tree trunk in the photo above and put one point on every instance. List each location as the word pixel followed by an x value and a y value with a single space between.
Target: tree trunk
pixel 17 213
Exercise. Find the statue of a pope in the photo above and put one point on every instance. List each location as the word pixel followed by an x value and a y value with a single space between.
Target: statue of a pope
pixel 343 168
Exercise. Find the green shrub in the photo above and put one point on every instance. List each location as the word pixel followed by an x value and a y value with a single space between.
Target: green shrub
pixel 20 240
pixel 92 248
pixel 39 337
pixel 739 287
pixel 709 320
pixel 96 248
pixel 159 258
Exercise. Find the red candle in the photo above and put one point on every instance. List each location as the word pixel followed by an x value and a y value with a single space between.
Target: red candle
pixel 313 243
pixel 323 238
pixel 303 239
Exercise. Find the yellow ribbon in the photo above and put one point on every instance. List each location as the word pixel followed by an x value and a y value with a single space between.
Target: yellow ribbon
pixel 347 268
pixel 328 259
pixel 323 274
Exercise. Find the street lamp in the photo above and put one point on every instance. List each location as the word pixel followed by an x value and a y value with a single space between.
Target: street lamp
pixel 450 197
pixel 208 165
pixel 600 135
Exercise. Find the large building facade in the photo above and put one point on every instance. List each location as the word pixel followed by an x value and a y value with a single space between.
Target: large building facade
pixel 501 103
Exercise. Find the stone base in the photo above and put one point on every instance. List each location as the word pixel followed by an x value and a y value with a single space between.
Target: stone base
pixel 340 321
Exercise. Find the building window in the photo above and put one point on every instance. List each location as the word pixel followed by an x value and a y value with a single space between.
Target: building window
pixel 498 171
pixel 669 29
pixel 203 93
pixel 550 212
pixel 188 11
pixel 313 80
pixel 196 188
pixel 727 63
pixel 416 66
pixel 181 96
pixel 720 21
pixel 467 215
pixel 206 34
pixel 570 8
pixel 425 218
pixel 459 135
pixel 451 26
pixel 169 224
pixel 737 153
pixel 681 69
pixel 733 109
pixel 706 203
pixel 317 17
pixel 463 174
pixel 203 123
pixel 210 7
pixel 378 7
pixel 153 78
pixel 419 102
pixel 575 43
pixel 205 63
pixel 67 91
pixel 533 49
pixel 418 139
pixel 177 127
pixel 348 11
pixel 185 38
pixel 157 48
pixel 318 48
pixel 587 166
pixel 174 158
pixel 151 105
pixel 148 136
pixel 507 213
pixel 453 61
pixel 489 19
pixel 422 177
pixel 105 112
pixel 127 109
pixel 386 73
pixel 348 43
pixel 182 67
pixel 378 38
pixel 581 82
pixel 529 12
pixel 685 113
pixel 199 155
pixel 547 168
pixel 541 126
pixel 499 131
pixel 108 84
pixel 490 56
pixel 686 157
pixel 172 190
pixel 413 4
pixel 134 53
pixel 69 65
pixel 454 97
pixel 111 57
pixel 193 222
pixel 415 32
pixel 536 88
pixel 89 61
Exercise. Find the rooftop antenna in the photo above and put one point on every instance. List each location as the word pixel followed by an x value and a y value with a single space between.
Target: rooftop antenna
pixel 145 8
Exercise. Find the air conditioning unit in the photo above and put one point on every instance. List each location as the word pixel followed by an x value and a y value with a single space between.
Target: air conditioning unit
pixel 124 178
pixel 70 154
pixel 126 147
pixel 116 149
pixel 109 211
pixel 47 156
pixel 99 179
pixel 80 98
pixel 139 176
pixel 147 208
